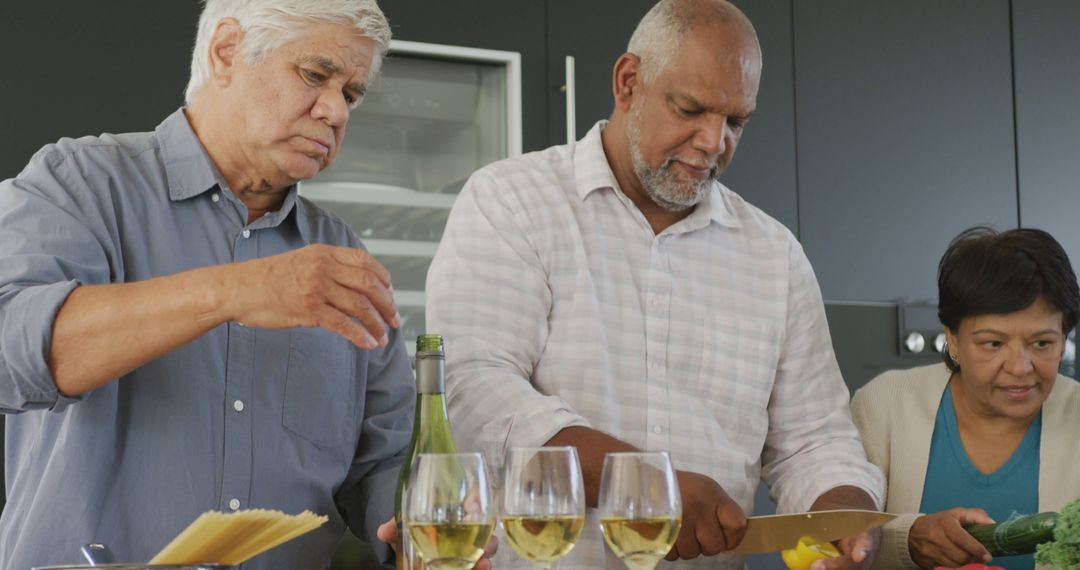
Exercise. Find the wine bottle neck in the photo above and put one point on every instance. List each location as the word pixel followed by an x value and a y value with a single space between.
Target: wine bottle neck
pixel 429 374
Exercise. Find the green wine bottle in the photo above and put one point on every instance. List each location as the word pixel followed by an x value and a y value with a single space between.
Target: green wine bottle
pixel 431 430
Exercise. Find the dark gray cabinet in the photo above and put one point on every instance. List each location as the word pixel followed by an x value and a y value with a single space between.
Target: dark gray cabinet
pixel 595 34
pixel 1046 51
pixel 764 168
pixel 905 137
pixel 82 68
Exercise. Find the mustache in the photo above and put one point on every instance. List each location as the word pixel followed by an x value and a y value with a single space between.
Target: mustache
pixel 714 167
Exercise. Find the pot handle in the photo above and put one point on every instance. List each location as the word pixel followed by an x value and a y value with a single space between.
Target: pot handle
pixel 97 553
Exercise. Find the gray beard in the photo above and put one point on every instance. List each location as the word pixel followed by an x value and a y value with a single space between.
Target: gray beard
pixel 662 185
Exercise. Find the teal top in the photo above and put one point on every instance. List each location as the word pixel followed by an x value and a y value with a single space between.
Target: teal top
pixel 953 481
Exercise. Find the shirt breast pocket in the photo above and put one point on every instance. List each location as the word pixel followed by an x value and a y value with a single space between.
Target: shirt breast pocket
pixel 321 388
pixel 738 364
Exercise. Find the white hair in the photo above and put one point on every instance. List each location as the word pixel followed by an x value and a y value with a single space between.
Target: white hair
pixel 661 31
pixel 267 24
pixel 657 38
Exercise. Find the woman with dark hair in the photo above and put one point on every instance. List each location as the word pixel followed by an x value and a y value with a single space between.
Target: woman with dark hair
pixel 994 430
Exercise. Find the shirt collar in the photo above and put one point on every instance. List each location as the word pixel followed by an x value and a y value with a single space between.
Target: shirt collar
pixel 188 167
pixel 302 211
pixel 717 206
pixel 190 172
pixel 591 168
pixel 593 172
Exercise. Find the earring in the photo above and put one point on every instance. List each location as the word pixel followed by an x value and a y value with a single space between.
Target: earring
pixel 952 357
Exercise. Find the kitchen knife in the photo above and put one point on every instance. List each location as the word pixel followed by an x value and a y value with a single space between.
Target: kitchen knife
pixel 778 532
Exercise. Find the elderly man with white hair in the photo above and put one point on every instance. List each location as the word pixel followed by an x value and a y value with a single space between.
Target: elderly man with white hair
pixel 612 295
pixel 180 332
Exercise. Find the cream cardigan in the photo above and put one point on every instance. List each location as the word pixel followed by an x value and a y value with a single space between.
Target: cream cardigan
pixel 895 415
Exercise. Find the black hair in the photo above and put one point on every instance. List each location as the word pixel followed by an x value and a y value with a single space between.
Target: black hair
pixel 988 272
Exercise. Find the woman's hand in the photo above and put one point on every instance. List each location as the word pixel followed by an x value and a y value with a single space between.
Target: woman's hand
pixel 939 539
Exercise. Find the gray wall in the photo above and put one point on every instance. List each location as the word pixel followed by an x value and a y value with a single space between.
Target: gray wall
pixel 905 138
pixel 1046 47
pixel 71 69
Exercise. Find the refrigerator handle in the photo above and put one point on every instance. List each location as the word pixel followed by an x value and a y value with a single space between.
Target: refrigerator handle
pixel 571 101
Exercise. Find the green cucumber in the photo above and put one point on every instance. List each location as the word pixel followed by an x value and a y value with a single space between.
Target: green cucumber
pixel 1016 536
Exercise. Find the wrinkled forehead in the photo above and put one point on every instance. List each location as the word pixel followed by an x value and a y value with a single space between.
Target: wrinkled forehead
pixel 335 49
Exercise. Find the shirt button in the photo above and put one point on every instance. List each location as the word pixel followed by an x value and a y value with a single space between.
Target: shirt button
pixel 238 405
pixel 657 430
pixel 215 197
pixel 234 504
pixel 655 301
pixel 246 233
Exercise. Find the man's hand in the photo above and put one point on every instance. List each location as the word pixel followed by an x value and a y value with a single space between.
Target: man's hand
pixel 712 521
pixel 939 539
pixel 387 533
pixel 341 289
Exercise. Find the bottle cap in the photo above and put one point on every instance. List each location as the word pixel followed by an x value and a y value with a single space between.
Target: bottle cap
pixel 429 343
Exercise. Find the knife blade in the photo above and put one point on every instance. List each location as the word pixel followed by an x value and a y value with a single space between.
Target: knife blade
pixel 778 532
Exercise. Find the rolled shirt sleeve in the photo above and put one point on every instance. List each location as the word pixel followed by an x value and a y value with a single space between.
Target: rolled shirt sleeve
pixel 488 294
pixel 812 445
pixel 47 252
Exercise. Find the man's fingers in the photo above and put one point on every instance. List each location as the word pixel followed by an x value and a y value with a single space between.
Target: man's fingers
pixel 688 546
pixel 733 521
pixel 356 269
pixel 378 295
pixel 711 537
pixel 491 547
pixel 335 321
pixel 361 259
pixel 387 532
pixel 357 306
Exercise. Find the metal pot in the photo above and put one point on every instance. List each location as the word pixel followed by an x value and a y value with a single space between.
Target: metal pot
pixel 101 558
pixel 133 567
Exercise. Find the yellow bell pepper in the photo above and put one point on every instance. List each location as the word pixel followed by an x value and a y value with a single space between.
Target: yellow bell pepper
pixel 806 552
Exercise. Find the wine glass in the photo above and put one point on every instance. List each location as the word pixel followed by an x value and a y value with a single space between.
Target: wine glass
pixel 640 508
pixel 543 508
pixel 448 511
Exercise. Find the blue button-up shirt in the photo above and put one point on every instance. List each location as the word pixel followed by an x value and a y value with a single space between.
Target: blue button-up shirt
pixel 287 419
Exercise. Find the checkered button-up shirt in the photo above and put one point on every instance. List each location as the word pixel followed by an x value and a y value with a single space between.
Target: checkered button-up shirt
pixel 561 307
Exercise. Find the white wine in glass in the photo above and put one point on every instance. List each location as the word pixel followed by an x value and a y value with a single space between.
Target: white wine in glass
pixel 640 507
pixel 448 510
pixel 543 509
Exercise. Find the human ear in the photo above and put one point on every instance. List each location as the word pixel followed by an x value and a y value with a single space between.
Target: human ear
pixel 626 79
pixel 952 344
pixel 224 49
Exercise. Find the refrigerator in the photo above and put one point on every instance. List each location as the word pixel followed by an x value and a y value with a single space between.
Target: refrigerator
pixel 435 114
